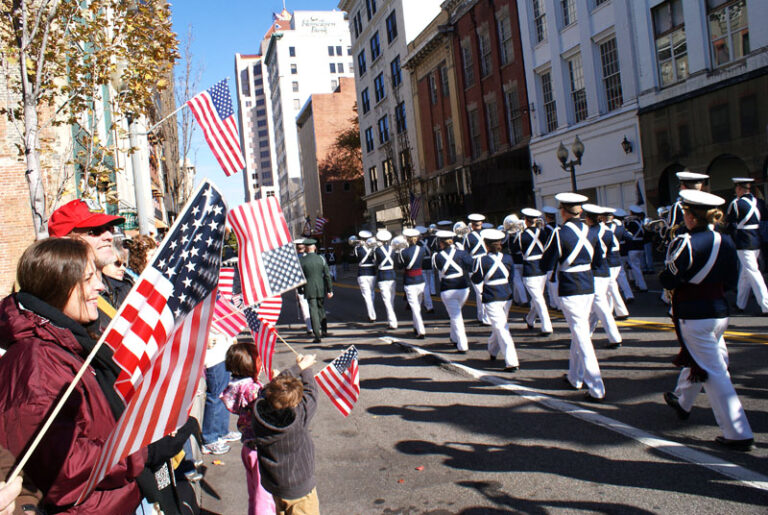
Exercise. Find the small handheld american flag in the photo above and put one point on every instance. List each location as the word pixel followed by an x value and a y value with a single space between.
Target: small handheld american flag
pixel 320 224
pixel 340 380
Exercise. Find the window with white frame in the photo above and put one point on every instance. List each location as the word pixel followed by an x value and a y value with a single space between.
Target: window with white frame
pixel 387 172
pixel 492 126
pixel 514 115
pixel 474 132
pixel 609 59
pixel 578 92
pixel 361 67
pixel 378 87
pixel 400 121
pixel 375 46
pixel 432 88
pixel 373 179
pixel 365 101
pixel 728 30
pixel 383 129
pixel 391 27
pixel 438 139
pixel 671 45
pixel 450 142
pixel 504 28
pixel 395 71
pixel 466 61
pixel 550 107
pixel 444 79
pixel 369 139
pixel 539 20
pixel 569 11
pixel 484 49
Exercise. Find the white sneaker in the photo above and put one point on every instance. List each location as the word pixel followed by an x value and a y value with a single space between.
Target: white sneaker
pixel 232 436
pixel 217 448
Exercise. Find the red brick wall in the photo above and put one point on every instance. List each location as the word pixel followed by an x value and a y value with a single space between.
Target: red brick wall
pixel 431 116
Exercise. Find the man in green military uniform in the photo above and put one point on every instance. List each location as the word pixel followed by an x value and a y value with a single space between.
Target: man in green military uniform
pixel 318 287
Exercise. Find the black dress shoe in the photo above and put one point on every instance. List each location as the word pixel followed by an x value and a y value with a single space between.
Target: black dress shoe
pixel 589 398
pixel 621 317
pixel 674 403
pixel 372 320
pixel 614 345
pixel 430 311
pixel 316 340
pixel 736 445
pixel 310 332
pixel 326 334
pixel 461 352
pixel 545 335
pixel 420 337
pixel 511 369
pixel 568 382
pixel 492 357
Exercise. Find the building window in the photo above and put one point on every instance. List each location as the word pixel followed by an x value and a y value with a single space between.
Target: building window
pixel 375 46
pixel 334 84
pixel 264 143
pixel 265 164
pixel 361 63
pixel 432 88
pixel 340 67
pixel 261 112
pixel 292 51
pixel 400 122
pixel 578 93
pixel 466 61
pixel 550 107
pixel 728 30
pixel 719 123
pixel 609 58
pixel 450 142
pixel 330 51
pixel 264 153
pixel 438 140
pixel 296 104
pixel 506 51
pixel 378 87
pixel 444 79
pixel 391 27
pixel 369 139
pixel 333 67
pixel 671 45
pixel 373 179
pixel 261 123
pixel 263 134
pixel 474 132
pixel 514 116
pixel 484 49
pixel 357 22
pixel 329 187
pixel 492 126
pixel 295 86
pixel 395 69
pixel 386 172
pixel 294 69
pixel 260 102
pixel 750 124
pixel 539 20
pixel 370 7
pixel 365 100
pixel 383 129
pixel 569 11
pixel 405 163
pixel 338 50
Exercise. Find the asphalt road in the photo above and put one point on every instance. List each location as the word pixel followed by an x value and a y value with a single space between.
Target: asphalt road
pixel 438 433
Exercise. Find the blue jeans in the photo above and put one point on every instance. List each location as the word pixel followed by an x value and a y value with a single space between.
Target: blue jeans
pixel 216 416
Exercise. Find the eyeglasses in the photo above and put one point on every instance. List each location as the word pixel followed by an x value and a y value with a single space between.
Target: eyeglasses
pixel 119 263
pixel 98 231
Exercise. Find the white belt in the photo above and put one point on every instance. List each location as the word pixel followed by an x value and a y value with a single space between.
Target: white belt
pixel 751 226
pixel 496 282
pixel 534 258
pixel 577 268
pixel 367 265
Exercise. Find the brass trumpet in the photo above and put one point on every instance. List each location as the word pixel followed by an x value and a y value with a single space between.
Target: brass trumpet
pixel 513 225
pixel 461 229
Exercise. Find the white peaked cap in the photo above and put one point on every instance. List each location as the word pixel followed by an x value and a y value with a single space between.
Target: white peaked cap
pixel 742 180
pixel 549 210
pixel 530 212
pixel 421 229
pixel 492 235
pixel 444 222
pixel 476 217
pixel 299 241
pixel 365 234
pixel 608 210
pixel 383 235
pixel 701 198
pixel 445 234
pixel 686 175
pixel 592 209
pixel 619 213
pixel 635 209
pixel 409 233
pixel 487 225
pixel 571 198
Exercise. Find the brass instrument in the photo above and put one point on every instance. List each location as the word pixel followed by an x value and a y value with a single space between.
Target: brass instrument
pixel 353 241
pixel 461 229
pixel 513 225
pixel 399 243
pixel 371 243
pixel 539 223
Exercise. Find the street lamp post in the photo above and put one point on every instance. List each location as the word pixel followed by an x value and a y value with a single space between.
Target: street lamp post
pixel 570 166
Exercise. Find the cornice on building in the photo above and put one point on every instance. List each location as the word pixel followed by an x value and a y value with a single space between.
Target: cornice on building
pixel 420 54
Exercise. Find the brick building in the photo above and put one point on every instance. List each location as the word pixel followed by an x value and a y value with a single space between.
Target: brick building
pixel 323 116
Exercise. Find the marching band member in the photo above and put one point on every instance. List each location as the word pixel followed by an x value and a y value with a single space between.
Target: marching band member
pixel 512 247
pixel 621 236
pixel 531 245
pixel 303 304
pixel 452 266
pixel 410 259
pixel 635 241
pixel 614 266
pixel 550 220
pixel 473 243
pixel 495 271
pixel 572 250
pixel 688 181
pixel 601 306
pixel 385 264
pixel 366 271
pixel 331 258
pixel 426 266
pixel 743 216
pixel 699 266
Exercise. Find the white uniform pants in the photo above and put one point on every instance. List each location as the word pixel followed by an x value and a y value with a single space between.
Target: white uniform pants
pixel 614 294
pixel 478 289
pixel 535 287
pixel 304 308
pixel 367 284
pixel 426 294
pixel 413 294
pixel 429 278
pixel 554 298
pixel 519 294
pixel 387 289
pixel 333 271
pixel 704 341
pixel 601 310
pixel 751 280
pixel 454 300
pixel 582 365
pixel 636 258
pixel 622 279
pixel 500 340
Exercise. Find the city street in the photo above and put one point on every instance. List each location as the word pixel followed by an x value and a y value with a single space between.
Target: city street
pixel 436 432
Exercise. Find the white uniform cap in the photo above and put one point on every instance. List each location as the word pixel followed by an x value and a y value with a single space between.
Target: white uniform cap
pixel 742 180
pixel 701 198
pixel 530 212
pixel 492 235
pixel 571 198
pixel 370 241
pixel 686 175
pixel 635 209
pixel 592 209
pixel 619 213
pixel 444 222
pixel 487 225
pixel 549 210
pixel 608 210
pixel 443 235
pixel 476 217
pixel 421 229
pixel 299 242
pixel 410 233
pixel 364 235
pixel 383 235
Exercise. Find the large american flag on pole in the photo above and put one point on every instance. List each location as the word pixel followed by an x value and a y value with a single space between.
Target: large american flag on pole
pixel 340 380
pixel 213 110
pixel 159 334
pixel 267 258
pixel 227 319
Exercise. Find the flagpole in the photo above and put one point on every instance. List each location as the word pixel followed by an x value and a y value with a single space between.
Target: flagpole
pixel 240 311
pixel 155 126
pixel 286 344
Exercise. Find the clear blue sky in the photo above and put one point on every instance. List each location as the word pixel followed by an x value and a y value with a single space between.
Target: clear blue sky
pixel 220 30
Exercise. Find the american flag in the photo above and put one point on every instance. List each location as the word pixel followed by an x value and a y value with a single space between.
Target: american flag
pixel 227 319
pixel 226 282
pixel 213 110
pixel 415 205
pixel 320 224
pixel 264 336
pixel 159 334
pixel 269 309
pixel 340 380
pixel 267 258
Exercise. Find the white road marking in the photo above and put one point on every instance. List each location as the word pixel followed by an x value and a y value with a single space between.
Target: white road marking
pixel 675 449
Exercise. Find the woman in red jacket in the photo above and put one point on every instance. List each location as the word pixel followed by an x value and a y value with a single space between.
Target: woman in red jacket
pixel 42 330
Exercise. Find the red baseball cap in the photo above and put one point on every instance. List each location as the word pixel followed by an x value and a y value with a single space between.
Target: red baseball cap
pixel 76 215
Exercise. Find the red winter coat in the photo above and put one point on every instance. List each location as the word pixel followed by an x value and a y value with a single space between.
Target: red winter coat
pixel 41 361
